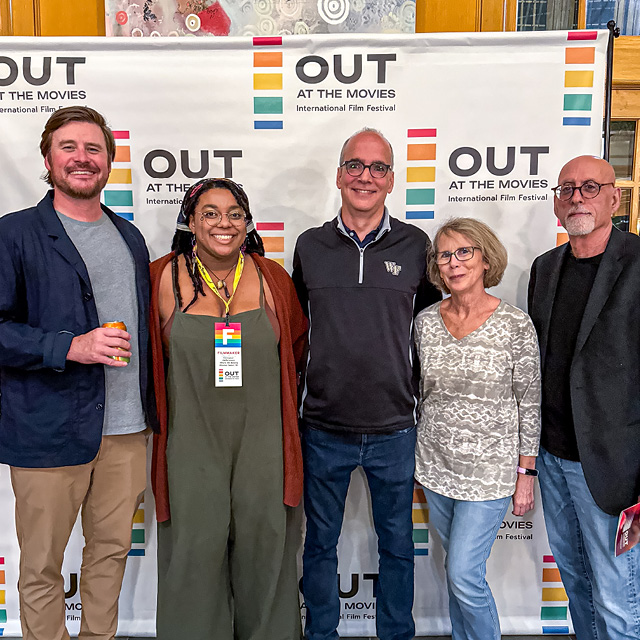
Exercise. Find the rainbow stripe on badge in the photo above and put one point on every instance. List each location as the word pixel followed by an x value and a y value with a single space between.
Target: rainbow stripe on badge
pixel 228 337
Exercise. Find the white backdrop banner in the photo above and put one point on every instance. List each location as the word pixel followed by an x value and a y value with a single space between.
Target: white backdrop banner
pixel 480 124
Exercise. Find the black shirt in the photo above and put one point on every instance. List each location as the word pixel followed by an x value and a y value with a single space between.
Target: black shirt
pixel 574 286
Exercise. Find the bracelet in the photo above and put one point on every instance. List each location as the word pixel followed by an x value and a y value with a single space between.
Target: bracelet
pixel 527 472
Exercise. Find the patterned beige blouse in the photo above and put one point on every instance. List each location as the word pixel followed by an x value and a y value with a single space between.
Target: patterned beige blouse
pixel 479 403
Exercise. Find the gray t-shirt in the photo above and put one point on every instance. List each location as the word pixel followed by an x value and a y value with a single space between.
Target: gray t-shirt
pixel 113 280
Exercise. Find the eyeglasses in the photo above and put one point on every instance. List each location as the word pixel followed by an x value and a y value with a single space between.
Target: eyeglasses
pixel 356 168
pixel 214 218
pixel 462 254
pixel 589 189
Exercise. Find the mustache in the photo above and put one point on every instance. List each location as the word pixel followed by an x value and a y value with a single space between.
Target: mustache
pixel 577 209
pixel 82 166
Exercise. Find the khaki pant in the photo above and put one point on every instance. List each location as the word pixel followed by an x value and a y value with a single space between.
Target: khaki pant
pixel 109 489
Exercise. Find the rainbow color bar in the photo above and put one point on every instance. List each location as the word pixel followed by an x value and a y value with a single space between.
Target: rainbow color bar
pixel 554 609
pixel 233 340
pixel 119 194
pixel 265 64
pixel 420 517
pixel 3 612
pixel 272 234
pixel 138 535
pixel 421 174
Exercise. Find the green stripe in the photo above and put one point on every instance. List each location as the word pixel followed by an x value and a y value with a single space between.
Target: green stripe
pixel 267 105
pixel 553 613
pixel 118 198
pixel 3 615
pixel 137 535
pixel 421 535
pixel 577 102
pixel 421 196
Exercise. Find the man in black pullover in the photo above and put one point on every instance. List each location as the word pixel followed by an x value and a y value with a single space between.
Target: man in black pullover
pixel 361 279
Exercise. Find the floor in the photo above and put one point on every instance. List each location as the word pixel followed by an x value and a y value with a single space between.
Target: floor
pixel 546 637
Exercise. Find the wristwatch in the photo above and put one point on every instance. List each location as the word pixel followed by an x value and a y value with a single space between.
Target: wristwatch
pixel 527 472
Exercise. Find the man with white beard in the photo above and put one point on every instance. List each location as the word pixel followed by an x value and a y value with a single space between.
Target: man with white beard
pixel 584 300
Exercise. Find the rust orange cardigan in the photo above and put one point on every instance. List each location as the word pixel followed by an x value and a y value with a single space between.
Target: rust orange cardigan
pixel 293 326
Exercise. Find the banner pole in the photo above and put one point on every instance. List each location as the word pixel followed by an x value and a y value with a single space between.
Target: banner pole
pixel 614 32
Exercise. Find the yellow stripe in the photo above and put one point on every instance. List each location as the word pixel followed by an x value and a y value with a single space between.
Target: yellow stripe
pixel 2 599
pixel 266 81
pixel 554 595
pixel 421 515
pixel 120 176
pixel 138 518
pixel 280 261
pixel 421 174
pixel 578 78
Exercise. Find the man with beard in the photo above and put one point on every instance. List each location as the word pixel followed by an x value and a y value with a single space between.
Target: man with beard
pixel 75 410
pixel 584 301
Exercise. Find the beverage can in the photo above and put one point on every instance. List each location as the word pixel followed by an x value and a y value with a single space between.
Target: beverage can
pixel 118 324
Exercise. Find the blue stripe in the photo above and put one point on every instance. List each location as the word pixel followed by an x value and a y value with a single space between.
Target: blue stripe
pixel 127 215
pixel 421 552
pixel 576 122
pixel 555 630
pixel 136 552
pixel 267 124
pixel 420 215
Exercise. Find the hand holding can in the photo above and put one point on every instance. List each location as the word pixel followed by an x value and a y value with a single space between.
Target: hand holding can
pixel 117 325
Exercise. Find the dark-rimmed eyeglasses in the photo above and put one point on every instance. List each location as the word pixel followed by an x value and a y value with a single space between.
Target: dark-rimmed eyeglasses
pixel 356 168
pixel 589 189
pixel 462 254
pixel 214 218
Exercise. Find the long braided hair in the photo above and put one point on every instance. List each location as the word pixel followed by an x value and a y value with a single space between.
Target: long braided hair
pixel 184 240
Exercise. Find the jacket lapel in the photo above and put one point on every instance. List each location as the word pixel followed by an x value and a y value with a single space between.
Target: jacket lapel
pixel 61 241
pixel 608 272
pixel 548 283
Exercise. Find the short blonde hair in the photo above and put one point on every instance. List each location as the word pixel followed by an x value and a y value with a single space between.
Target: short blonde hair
pixel 481 235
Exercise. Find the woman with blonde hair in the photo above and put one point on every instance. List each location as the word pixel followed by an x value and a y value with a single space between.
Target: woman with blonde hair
pixel 479 423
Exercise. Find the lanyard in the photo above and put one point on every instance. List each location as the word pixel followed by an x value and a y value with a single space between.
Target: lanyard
pixel 236 278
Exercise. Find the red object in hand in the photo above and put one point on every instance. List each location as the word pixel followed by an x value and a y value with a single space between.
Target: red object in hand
pixel 214 20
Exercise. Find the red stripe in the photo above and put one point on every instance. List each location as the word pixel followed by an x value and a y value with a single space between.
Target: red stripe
pixel 267 41
pixel 421 133
pixel 582 35
pixel 547 559
pixel 120 135
pixel 1 560
pixel 270 226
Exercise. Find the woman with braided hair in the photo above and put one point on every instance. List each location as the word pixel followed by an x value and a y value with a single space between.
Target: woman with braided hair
pixel 227 336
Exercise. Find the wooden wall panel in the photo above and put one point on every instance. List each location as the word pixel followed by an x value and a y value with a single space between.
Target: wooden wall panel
pixel 443 15
pixel 626 62
pixel 71 17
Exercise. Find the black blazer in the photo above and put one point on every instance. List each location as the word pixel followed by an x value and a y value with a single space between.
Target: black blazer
pixel 605 370
pixel 51 410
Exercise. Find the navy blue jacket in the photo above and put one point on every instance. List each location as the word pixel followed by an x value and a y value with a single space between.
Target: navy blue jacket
pixel 51 410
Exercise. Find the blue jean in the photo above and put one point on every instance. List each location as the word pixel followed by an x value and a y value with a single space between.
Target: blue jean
pixel 388 463
pixel 604 591
pixel 468 531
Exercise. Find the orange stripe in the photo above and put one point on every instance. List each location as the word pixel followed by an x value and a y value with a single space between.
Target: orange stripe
pixel 551 575
pixel 418 496
pixel 123 154
pixel 421 152
pixel 1 577
pixel 580 55
pixel 273 245
pixel 267 59
pixel 562 238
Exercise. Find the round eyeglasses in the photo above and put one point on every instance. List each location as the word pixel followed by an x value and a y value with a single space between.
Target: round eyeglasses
pixel 214 218
pixel 356 168
pixel 462 254
pixel 589 189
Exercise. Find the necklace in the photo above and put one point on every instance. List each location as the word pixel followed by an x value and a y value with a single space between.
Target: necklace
pixel 222 282
pixel 207 278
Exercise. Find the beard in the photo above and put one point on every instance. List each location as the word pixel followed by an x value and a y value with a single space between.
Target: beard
pixel 581 225
pixel 86 192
